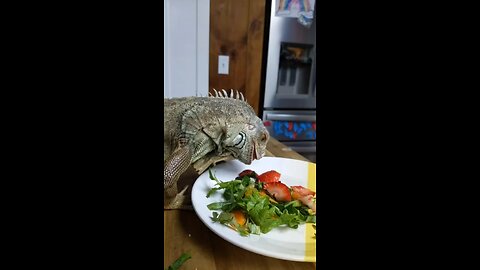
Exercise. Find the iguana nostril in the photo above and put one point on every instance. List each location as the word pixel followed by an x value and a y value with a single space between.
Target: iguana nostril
pixel 264 137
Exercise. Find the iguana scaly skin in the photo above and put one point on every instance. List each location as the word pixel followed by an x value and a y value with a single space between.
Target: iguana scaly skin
pixel 202 131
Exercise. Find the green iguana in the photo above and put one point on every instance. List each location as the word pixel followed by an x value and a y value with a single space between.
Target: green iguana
pixel 202 131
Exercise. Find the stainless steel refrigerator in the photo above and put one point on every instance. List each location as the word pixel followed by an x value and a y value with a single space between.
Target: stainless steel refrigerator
pixel 289 109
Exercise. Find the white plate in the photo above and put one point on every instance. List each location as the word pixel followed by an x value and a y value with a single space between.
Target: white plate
pixel 281 243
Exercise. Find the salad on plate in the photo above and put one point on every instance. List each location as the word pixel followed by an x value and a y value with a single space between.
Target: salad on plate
pixel 255 204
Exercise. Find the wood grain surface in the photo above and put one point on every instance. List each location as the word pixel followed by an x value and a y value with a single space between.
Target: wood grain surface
pixel 256 24
pixel 237 30
pixel 185 232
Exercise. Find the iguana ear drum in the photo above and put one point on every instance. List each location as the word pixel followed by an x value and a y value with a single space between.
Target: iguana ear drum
pixel 237 140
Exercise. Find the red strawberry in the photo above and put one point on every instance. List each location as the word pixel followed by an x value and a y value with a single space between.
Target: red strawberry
pixel 299 191
pixel 247 173
pixel 279 191
pixel 269 177
pixel 309 201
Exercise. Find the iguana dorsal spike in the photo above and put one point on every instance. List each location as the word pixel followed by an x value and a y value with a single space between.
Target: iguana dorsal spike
pixel 216 92
pixel 210 93
pixel 231 93
pixel 238 96
pixel 225 95
pixel 242 98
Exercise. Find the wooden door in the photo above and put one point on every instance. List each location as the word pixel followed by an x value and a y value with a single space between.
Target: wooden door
pixel 237 30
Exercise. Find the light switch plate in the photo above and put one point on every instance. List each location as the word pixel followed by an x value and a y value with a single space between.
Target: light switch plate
pixel 223 64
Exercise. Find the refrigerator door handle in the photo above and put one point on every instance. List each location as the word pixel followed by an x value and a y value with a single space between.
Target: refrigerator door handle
pixel 291 117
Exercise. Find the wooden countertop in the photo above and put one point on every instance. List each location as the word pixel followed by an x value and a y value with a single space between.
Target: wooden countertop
pixel 278 149
pixel 187 233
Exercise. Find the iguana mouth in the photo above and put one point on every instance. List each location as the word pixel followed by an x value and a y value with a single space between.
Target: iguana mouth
pixel 254 154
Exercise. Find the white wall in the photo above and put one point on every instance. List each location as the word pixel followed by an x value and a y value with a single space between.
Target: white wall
pixel 186 47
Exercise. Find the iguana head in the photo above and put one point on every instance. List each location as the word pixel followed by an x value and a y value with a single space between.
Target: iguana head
pixel 222 127
pixel 246 136
pixel 247 141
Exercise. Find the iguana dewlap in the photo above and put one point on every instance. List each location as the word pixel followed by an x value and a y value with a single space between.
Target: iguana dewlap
pixel 202 131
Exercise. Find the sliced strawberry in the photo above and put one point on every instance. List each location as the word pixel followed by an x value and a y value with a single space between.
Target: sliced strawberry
pixel 269 177
pixel 279 191
pixel 299 191
pixel 263 194
pixel 309 201
pixel 248 173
